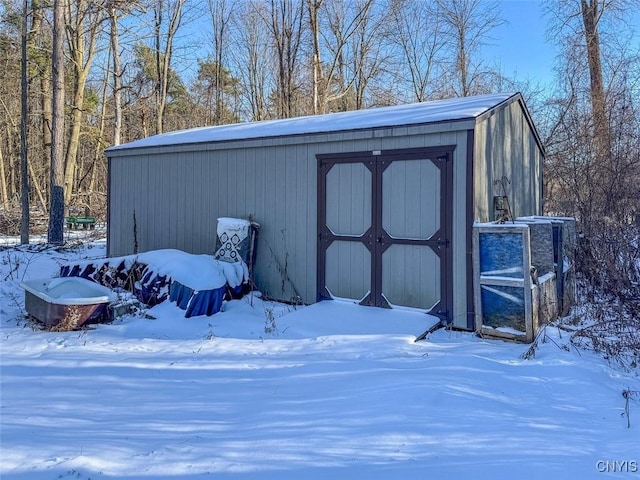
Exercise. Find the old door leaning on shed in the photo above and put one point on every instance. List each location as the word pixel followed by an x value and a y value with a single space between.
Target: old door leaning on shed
pixel 384 228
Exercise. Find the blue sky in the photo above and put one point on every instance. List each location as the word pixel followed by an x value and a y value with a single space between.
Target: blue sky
pixel 520 45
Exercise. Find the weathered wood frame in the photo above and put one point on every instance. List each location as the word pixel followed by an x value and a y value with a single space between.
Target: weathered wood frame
pixel 524 283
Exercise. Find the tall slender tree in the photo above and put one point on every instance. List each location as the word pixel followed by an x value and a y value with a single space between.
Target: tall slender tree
pixel 83 22
pixel 252 60
pixel 39 47
pixel 469 24
pixel 286 25
pixel 24 160
pixel 114 38
pixel 164 34
pixel 56 202
pixel 417 30
pixel 220 12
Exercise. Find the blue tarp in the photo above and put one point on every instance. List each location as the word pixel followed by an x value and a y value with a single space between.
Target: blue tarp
pixel 203 302
pixel 151 288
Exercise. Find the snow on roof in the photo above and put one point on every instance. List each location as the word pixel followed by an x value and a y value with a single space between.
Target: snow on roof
pixel 464 108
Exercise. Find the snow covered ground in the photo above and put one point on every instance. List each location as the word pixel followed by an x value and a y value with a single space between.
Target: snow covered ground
pixel 263 391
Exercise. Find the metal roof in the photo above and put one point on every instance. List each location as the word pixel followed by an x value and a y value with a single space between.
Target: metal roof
pixel 453 109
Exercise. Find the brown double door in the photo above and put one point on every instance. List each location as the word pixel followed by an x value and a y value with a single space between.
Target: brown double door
pixel 384 228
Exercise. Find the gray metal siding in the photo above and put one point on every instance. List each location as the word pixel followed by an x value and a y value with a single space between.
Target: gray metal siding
pixel 179 192
pixel 459 229
pixel 506 146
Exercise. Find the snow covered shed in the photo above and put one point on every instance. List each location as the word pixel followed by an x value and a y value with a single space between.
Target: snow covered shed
pixel 375 205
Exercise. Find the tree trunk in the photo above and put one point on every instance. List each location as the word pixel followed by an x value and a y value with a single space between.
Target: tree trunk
pixel 24 157
pixel 252 65
pixel 286 29
pixel 117 76
pixel 164 54
pixel 82 31
pixel 590 18
pixel 160 98
pixel 56 211
pixel 36 187
pixel 44 77
pixel 71 160
pixel 98 152
pixel 220 18
pixel 318 80
pixel 4 196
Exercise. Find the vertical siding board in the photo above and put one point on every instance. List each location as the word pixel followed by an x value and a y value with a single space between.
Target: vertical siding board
pixel 144 217
pixel 126 202
pixel 282 240
pixel 192 214
pixel 194 221
pixel 231 185
pixel 134 195
pixel 169 195
pixel 459 225
pixel 185 200
pixel 149 190
pixel 272 253
pixel 178 191
pixel 263 257
pixel 155 189
pixel 116 206
pixel 291 223
pixel 249 191
pixel 311 213
pixel 240 193
pixel 303 234
pixel 202 179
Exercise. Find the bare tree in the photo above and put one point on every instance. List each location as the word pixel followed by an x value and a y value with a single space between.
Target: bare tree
pixel 83 21
pixel 116 10
pixel 593 164
pixel 313 7
pixel 285 23
pixel 594 103
pixel 469 24
pixel 340 31
pixel 39 44
pixel 164 34
pixel 24 160
pixel 417 29
pixel 114 37
pixel 251 58
pixel 221 12
pixel 56 202
pixel 591 14
pixel 368 55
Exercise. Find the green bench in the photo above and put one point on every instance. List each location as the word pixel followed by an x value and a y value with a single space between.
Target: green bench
pixel 74 223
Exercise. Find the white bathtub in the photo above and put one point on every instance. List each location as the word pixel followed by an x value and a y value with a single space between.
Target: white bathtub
pixel 67 303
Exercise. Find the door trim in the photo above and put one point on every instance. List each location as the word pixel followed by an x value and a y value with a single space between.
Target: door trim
pixel 375 239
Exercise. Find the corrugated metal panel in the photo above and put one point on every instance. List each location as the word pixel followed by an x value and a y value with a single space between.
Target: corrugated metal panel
pixel 506 146
pixel 459 222
pixel 276 185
